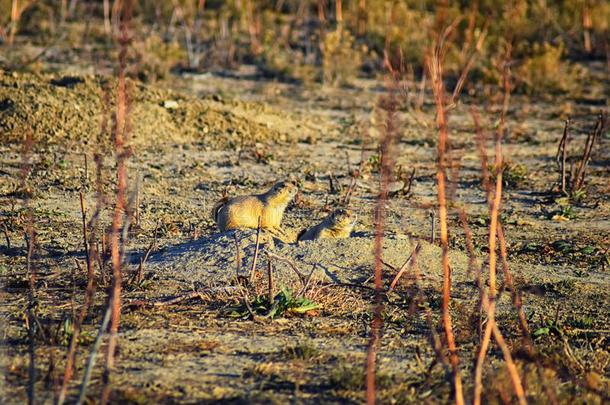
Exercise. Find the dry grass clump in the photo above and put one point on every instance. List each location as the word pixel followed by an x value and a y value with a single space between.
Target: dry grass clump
pixel 340 58
pixel 155 57
pixel 545 71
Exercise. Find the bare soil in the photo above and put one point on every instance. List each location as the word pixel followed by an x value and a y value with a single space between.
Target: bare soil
pixel 236 134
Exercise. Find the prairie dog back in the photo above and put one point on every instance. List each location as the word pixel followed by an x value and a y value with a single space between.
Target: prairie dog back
pixel 339 224
pixel 245 211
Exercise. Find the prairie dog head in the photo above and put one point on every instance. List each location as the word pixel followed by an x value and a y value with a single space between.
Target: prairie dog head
pixel 341 219
pixel 281 193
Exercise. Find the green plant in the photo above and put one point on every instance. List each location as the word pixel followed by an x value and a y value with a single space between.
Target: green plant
pixel 284 303
pixel 373 164
pixel 513 174
pixel 564 212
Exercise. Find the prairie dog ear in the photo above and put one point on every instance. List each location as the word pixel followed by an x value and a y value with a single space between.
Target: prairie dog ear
pixel 278 186
pixel 340 212
pixel 292 180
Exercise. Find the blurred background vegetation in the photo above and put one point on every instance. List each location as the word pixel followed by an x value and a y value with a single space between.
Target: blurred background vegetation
pixel 317 41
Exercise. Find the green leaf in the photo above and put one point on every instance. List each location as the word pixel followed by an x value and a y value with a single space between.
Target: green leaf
pixel 305 308
pixel 542 331
pixel 563 201
pixel 286 294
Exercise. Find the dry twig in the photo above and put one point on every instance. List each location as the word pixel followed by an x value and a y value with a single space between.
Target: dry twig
pixel 434 62
pixel 89 292
pixel 256 248
pixel 30 240
pixel 91 361
pixel 389 104
pixel 121 132
pixel 289 262
pixel 404 267
pixel 562 151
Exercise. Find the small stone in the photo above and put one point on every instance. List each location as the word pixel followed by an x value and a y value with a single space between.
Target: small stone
pixel 170 104
pixel 560 218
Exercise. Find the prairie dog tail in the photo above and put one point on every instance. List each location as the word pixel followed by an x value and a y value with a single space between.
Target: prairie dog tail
pixel 217 207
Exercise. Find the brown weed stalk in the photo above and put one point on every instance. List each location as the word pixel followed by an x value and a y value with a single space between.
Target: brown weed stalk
pixel 122 153
pixel 88 243
pixel 577 175
pixel 489 300
pixel 434 62
pixel 30 239
pixel 468 65
pixel 419 299
pixel 508 279
pixel 253 28
pixel 16 13
pixel 579 178
pixel 91 249
pixel 93 354
pixel 561 155
pixel 389 132
pixel 404 267
pixel 256 249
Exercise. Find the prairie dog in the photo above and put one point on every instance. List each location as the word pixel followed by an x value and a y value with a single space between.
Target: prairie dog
pixel 338 224
pixel 244 211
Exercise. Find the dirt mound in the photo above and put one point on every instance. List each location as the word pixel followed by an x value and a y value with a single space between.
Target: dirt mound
pixel 59 109
pixel 213 259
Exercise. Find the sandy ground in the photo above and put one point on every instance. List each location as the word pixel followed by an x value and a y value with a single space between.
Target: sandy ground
pixel 238 134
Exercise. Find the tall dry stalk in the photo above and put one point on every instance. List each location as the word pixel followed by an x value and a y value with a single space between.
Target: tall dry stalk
pixel 339 11
pixel 579 177
pixel 489 299
pixel 106 7
pixel 14 21
pixel 122 153
pixel 92 355
pixel 480 138
pixel 30 239
pixel 508 279
pixel 434 62
pixel 90 247
pixel 89 254
pixel 561 156
pixel 253 29
pixel 362 17
pixel 389 106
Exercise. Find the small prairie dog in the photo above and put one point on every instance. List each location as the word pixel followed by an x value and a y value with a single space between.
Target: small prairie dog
pixel 338 224
pixel 244 211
